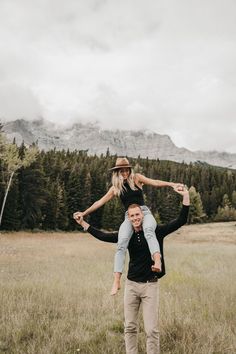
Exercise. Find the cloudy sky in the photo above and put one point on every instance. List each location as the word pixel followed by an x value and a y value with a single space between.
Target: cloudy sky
pixel 163 65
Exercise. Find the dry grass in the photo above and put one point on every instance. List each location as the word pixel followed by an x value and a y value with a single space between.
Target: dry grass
pixel 55 294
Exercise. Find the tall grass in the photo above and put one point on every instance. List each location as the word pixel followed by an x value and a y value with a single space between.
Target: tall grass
pixel 55 299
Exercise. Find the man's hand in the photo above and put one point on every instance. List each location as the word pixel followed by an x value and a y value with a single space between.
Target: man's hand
pixel 183 190
pixel 79 220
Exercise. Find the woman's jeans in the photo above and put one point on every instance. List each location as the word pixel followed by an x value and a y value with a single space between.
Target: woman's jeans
pixel 126 231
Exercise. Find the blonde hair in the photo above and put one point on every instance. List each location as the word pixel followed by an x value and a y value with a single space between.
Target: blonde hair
pixel 118 182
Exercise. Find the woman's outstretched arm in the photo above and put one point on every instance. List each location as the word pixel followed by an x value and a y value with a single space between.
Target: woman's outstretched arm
pixel 96 205
pixel 141 179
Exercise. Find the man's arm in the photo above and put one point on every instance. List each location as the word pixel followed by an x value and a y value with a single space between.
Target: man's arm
pixel 100 235
pixel 174 225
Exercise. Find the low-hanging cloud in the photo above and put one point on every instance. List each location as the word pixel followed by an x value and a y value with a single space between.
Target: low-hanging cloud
pixel 18 102
pixel 166 66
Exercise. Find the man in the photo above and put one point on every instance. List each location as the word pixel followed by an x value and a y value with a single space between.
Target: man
pixel 142 283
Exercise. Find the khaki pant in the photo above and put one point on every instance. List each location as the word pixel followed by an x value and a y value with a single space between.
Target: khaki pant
pixel 146 294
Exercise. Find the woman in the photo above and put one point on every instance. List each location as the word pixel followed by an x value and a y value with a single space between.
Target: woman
pixel 128 186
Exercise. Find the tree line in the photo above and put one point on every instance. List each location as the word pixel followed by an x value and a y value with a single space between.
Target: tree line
pixel 48 186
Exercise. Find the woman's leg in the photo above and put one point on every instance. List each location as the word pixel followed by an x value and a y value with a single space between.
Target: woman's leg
pixel 149 227
pixel 124 235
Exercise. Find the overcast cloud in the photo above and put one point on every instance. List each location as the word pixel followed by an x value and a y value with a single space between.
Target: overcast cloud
pixel 163 65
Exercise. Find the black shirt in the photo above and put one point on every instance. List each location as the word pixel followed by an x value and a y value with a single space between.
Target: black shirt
pixel 140 258
pixel 130 196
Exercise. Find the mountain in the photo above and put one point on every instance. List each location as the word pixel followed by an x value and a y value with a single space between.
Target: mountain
pixel 121 142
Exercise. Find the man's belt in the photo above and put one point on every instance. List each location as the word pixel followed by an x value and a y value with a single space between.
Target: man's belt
pixel 152 280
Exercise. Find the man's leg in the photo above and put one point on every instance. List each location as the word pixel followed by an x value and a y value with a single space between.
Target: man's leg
pixel 150 303
pixel 131 308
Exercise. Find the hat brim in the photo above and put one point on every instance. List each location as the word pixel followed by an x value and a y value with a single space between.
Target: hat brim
pixel 119 167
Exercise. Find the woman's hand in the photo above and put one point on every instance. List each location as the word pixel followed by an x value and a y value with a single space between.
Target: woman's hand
pixel 78 214
pixel 181 189
pixel 82 223
pixel 177 185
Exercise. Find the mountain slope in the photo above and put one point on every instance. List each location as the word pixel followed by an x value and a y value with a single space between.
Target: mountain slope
pixel 121 142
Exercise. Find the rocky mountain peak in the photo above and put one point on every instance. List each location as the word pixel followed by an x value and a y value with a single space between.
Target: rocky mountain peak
pixel 92 138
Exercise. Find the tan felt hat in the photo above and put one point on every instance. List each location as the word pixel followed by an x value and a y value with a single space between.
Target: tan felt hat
pixel 121 162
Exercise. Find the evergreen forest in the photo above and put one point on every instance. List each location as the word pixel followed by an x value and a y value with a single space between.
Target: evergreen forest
pixel 44 193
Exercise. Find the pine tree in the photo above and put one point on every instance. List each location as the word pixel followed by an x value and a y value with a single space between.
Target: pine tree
pixel 196 213
pixel 98 188
pixel 113 214
pixel 226 201
pixel 62 212
pixel 73 198
pixel 32 186
pixel 226 212
pixel 213 203
pixel 49 208
pixel 234 199
pixel 169 205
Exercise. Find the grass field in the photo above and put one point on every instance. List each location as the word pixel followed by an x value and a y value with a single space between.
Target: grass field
pixel 54 296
